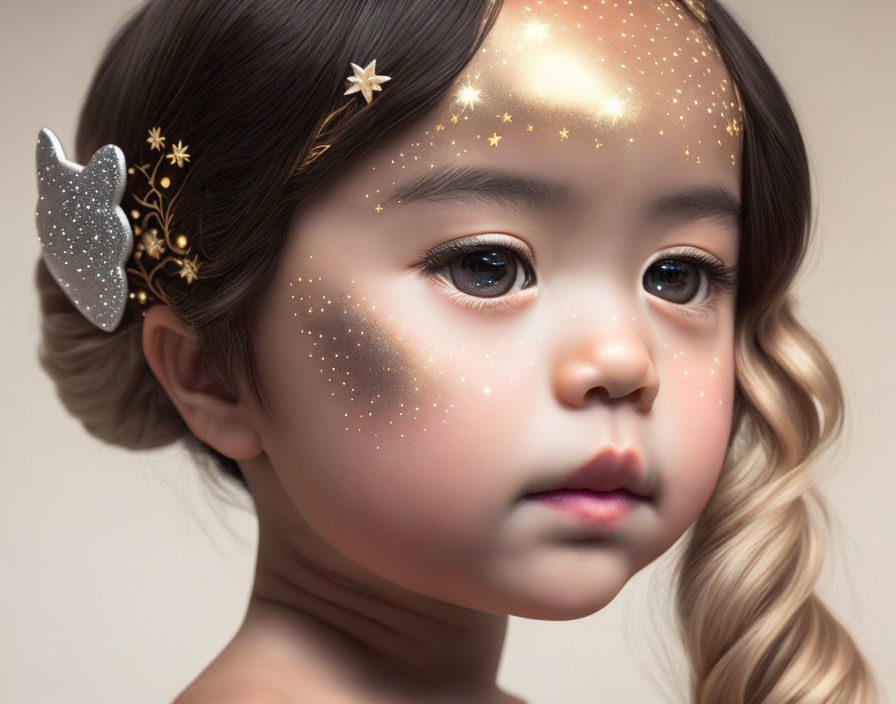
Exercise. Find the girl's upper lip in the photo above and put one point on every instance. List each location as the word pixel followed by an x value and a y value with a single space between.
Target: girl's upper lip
pixel 611 468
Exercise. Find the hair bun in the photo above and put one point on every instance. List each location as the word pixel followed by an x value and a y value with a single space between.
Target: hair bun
pixel 103 378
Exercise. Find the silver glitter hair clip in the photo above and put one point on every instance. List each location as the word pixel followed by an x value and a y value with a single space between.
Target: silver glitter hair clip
pixel 85 236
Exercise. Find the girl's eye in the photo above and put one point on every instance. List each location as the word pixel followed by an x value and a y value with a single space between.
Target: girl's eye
pixel 474 270
pixel 687 276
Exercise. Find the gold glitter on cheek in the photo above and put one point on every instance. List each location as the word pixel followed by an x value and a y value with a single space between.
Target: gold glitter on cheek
pixel 389 384
pixel 370 366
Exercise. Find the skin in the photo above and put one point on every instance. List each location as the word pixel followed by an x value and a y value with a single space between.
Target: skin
pixel 404 428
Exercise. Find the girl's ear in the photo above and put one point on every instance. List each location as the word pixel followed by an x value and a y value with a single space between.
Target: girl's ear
pixel 212 414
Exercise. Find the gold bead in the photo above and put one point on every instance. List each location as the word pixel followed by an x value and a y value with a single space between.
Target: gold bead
pixel 166 182
pixel 131 170
pixel 141 296
pixel 182 241
pixel 135 214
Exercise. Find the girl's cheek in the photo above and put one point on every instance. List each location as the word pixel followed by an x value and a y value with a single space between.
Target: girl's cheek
pixel 359 352
pixel 394 377
pixel 697 399
pixel 399 421
pixel 391 367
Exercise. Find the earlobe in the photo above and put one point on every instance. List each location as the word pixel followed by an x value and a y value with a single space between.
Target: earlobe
pixel 210 411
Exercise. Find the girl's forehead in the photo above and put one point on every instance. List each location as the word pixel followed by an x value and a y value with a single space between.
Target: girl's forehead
pixel 606 66
pixel 593 77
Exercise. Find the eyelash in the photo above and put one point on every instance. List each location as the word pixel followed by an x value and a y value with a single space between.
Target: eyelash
pixel 721 278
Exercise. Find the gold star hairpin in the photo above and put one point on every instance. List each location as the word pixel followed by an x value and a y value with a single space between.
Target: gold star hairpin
pixel 365 81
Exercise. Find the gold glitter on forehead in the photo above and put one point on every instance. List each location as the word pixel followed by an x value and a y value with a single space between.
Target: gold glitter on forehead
pixel 589 75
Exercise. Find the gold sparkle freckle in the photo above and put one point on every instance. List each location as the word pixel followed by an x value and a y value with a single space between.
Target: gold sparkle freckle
pixel 378 208
pixel 494 139
pixel 564 134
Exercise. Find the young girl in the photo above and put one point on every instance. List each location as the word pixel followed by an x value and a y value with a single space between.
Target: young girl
pixel 485 304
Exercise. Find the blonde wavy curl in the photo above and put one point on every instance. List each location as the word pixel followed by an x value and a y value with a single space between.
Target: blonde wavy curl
pixel 753 628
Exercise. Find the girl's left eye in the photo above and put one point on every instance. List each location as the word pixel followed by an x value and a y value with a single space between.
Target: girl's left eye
pixel 484 268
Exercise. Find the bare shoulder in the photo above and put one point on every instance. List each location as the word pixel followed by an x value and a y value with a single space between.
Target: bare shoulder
pixel 245 674
pixel 206 693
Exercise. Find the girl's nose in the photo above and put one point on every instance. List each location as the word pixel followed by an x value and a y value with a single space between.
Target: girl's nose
pixel 609 365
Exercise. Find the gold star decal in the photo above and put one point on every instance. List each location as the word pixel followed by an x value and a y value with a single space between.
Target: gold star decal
pixel 365 81
pixel 564 134
pixel 494 139
pixel 378 208
pixel 454 119
pixel 179 154
pixel 156 140
pixel 598 145
pixel 530 128
pixel 505 117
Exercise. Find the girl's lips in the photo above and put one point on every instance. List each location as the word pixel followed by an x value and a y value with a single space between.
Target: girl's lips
pixel 603 508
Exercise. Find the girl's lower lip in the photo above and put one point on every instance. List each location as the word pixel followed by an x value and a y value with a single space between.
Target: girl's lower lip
pixel 602 508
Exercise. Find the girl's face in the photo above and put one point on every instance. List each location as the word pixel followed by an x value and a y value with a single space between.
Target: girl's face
pixel 417 395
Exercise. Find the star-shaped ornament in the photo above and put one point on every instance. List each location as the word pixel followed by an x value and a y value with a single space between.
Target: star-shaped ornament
pixel 179 154
pixel 156 140
pixel 365 81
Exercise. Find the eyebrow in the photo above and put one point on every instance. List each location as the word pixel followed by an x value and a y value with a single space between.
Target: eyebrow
pixel 477 185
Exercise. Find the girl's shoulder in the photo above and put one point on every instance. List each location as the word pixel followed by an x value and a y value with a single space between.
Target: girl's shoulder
pixel 209 692
pixel 238 676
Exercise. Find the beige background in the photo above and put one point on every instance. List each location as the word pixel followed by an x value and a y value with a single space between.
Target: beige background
pixel 121 579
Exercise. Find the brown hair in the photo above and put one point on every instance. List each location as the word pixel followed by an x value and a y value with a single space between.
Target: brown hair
pixel 248 85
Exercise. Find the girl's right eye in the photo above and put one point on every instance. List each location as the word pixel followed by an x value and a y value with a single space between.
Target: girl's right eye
pixel 473 270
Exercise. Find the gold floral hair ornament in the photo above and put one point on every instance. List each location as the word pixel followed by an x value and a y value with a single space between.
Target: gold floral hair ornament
pixel 158 243
pixel 87 238
pixel 364 81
